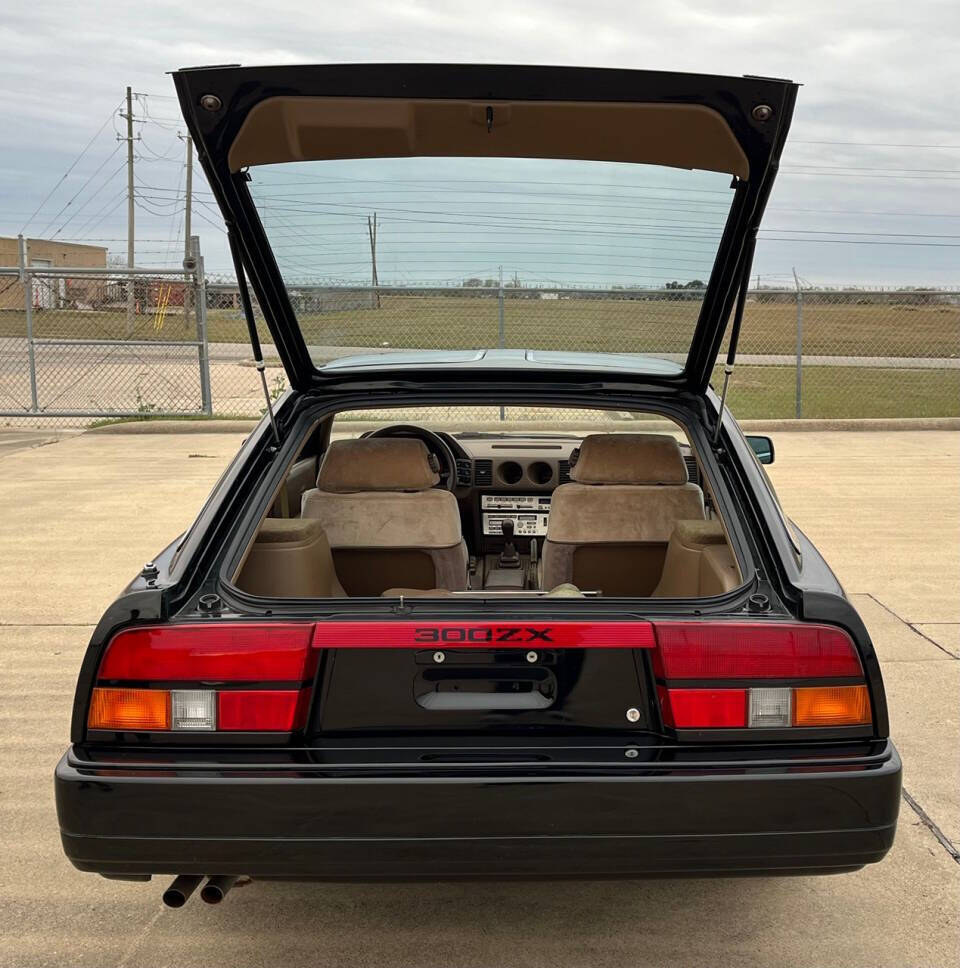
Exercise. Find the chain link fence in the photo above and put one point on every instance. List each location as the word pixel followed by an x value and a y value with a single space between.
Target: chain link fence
pixel 81 344
pixel 110 343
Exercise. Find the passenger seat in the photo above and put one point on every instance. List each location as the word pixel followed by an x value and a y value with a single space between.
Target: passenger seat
pixel 388 524
pixel 699 562
pixel 609 528
pixel 290 558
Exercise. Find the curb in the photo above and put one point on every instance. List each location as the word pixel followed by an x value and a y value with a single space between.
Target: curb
pixel 863 423
pixel 175 426
pixel 874 424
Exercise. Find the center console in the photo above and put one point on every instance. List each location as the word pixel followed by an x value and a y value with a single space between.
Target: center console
pixel 505 485
pixel 513 526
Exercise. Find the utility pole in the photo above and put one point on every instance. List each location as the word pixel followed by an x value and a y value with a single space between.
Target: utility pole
pixel 189 199
pixel 799 389
pixel 501 331
pixel 187 213
pixel 131 297
pixel 372 232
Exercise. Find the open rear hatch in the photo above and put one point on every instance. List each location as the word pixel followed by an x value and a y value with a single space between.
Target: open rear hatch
pixel 247 120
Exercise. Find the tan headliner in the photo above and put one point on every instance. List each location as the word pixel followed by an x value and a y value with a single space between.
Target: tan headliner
pixel 283 129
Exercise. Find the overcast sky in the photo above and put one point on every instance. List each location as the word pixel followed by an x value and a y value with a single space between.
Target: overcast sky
pixel 877 77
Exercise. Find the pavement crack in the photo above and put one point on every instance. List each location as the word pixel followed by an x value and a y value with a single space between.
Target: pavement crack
pixel 913 628
pixel 136 942
pixel 929 823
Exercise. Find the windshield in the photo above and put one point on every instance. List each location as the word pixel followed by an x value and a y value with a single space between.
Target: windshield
pixel 471 253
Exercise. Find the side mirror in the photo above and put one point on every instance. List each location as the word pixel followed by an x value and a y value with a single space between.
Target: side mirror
pixel 762 447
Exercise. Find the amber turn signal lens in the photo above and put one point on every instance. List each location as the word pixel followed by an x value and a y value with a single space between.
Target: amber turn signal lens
pixel 129 709
pixel 831 706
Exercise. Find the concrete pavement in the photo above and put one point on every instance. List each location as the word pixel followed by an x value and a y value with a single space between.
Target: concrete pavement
pixel 79 517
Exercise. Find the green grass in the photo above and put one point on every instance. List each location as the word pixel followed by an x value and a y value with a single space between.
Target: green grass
pixel 842 392
pixel 450 322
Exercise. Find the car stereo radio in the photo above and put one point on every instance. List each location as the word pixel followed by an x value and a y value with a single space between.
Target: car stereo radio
pixel 529 513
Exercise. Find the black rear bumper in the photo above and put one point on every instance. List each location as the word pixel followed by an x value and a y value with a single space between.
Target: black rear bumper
pixel 818 814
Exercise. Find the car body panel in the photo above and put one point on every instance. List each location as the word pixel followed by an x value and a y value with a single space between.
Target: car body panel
pixel 504 359
pixel 602 816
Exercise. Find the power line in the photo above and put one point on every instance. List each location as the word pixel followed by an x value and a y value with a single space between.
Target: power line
pixel 90 178
pixel 888 168
pixel 116 202
pixel 856 174
pixel 70 169
pixel 935 245
pixel 871 144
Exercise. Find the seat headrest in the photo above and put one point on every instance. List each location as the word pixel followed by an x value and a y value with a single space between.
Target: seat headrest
pixel 377 464
pixel 629 459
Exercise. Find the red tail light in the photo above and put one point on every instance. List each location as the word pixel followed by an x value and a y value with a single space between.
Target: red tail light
pixel 704 708
pixel 753 650
pixel 275 658
pixel 225 652
pixel 262 709
pixel 691 656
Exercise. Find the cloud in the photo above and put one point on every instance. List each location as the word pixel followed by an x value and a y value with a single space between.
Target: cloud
pixel 872 72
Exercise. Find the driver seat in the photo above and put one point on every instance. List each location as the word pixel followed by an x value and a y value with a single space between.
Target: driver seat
pixel 387 524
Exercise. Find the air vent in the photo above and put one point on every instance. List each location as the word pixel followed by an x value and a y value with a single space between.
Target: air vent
pixel 483 473
pixel 693 472
pixel 563 472
pixel 464 472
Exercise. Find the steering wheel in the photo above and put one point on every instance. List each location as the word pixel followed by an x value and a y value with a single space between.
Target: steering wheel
pixel 434 443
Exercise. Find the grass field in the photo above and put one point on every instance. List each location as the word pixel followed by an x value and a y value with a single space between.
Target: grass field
pixel 758 392
pixel 451 322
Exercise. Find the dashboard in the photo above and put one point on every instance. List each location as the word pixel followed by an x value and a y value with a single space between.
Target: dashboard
pixel 508 476
pixel 512 476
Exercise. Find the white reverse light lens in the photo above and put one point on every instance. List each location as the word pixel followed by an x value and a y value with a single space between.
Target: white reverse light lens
pixel 193 709
pixel 769 707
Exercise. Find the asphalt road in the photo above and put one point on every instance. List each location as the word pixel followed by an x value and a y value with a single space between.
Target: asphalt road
pixel 79 516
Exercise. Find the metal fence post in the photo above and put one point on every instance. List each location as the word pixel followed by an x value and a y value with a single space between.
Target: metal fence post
pixel 799 390
pixel 27 280
pixel 501 331
pixel 200 283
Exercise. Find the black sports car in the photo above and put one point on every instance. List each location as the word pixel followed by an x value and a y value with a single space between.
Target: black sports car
pixel 419 650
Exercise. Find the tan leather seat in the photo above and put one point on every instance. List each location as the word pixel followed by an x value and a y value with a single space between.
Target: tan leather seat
pixel 699 562
pixel 608 529
pixel 290 558
pixel 387 524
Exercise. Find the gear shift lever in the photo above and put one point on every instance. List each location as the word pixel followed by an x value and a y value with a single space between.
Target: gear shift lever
pixel 508 557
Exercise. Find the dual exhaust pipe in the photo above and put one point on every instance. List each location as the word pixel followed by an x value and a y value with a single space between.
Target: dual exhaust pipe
pixel 214 891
